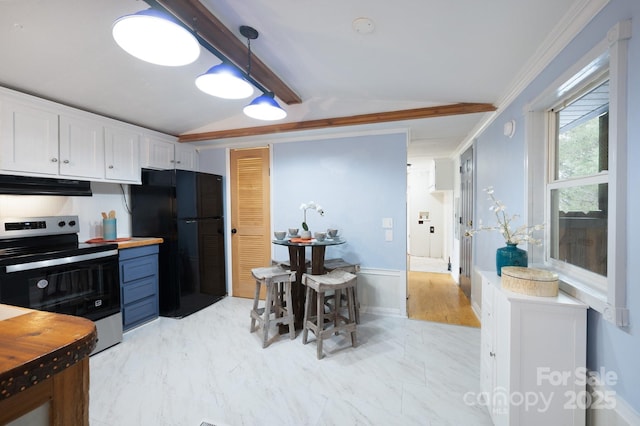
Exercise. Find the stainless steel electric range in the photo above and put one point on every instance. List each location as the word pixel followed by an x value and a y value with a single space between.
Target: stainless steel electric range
pixel 44 267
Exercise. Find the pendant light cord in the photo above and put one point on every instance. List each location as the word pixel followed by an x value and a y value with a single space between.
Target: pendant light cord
pixel 249 58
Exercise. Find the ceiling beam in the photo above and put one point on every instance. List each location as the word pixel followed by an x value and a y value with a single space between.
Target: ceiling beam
pixel 200 20
pixel 378 117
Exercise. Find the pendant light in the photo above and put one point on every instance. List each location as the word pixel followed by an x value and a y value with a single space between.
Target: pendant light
pixel 265 107
pixel 224 81
pixel 156 37
pixel 227 81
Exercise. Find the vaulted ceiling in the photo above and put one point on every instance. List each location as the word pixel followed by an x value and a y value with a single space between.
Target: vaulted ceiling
pixel 418 55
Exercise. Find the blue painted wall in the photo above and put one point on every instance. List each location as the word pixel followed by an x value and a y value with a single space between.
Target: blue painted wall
pixel 358 181
pixel 500 163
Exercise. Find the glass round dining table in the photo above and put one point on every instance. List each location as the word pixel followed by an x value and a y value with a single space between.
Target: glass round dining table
pixel 297 262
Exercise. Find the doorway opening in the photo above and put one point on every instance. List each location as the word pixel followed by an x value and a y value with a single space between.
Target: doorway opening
pixel 432 292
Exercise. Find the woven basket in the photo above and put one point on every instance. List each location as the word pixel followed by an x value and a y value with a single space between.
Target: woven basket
pixel 530 281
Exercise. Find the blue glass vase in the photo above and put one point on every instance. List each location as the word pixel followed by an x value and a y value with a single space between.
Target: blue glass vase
pixel 510 255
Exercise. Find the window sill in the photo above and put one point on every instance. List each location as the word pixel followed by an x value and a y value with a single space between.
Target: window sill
pixel 596 299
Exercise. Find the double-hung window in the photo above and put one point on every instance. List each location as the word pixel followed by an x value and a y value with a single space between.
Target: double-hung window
pixel 578 181
pixel 576 149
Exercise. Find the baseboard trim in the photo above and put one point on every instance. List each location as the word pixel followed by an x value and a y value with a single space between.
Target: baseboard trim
pixel 608 408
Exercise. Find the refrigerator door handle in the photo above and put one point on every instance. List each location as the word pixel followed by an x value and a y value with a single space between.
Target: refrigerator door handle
pixel 190 221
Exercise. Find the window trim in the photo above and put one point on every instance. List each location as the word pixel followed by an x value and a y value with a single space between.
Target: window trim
pixel 612 302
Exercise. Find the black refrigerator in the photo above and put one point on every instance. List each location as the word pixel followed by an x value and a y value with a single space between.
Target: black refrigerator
pixel 185 209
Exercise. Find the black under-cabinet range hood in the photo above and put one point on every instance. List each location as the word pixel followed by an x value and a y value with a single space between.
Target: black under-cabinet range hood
pixel 26 185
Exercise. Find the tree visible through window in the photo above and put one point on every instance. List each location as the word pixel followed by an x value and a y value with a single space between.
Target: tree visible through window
pixel 579 188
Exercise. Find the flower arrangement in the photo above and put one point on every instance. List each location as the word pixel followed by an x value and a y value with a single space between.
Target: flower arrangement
pixel 515 236
pixel 307 206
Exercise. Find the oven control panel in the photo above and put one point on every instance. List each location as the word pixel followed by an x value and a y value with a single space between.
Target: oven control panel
pixel 35 226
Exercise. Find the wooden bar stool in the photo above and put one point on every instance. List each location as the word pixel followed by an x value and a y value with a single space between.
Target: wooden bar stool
pixel 354 268
pixel 335 281
pixel 277 282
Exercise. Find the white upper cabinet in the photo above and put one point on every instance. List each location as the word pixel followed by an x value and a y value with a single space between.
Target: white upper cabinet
pixel 441 175
pixel 122 154
pixel 160 153
pixel 165 154
pixel 81 147
pixel 28 138
pixel 186 157
pixel 42 138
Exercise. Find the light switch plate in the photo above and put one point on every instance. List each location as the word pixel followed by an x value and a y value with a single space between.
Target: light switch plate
pixel 388 235
pixel 387 222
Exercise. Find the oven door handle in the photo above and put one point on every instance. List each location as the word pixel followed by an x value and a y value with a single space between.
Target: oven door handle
pixel 59 261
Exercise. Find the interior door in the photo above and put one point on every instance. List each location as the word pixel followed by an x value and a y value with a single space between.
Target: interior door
pixel 250 217
pixel 466 219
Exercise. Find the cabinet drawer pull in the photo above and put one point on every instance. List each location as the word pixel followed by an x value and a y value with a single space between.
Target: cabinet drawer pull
pixel 111 166
pixel 54 160
pixel 492 354
pixel 66 161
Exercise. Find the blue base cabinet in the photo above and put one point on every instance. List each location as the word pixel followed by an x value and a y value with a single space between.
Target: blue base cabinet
pixel 139 285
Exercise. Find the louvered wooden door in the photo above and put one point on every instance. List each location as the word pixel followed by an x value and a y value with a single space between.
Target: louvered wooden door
pixel 250 217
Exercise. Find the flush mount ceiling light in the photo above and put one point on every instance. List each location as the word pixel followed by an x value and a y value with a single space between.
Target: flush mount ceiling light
pixel 156 37
pixel 265 107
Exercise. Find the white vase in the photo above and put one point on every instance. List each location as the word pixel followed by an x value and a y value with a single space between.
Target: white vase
pixel 305 235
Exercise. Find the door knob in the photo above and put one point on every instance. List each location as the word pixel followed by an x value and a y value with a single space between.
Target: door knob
pixel 234 230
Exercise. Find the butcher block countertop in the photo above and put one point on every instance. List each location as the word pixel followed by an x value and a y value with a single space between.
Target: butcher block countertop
pixel 129 242
pixel 138 242
pixel 44 357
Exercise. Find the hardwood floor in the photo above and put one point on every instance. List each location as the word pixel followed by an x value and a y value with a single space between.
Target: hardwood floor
pixel 436 297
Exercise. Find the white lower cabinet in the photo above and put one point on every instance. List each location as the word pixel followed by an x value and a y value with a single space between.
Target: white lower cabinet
pixel 533 356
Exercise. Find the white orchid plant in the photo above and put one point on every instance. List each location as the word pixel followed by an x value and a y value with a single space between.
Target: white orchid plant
pixel 313 206
pixel 515 236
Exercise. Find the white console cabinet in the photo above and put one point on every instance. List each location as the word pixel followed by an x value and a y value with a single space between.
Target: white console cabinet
pixel 533 356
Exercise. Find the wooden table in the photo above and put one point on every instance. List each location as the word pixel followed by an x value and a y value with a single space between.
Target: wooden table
pixel 44 359
pixel 297 260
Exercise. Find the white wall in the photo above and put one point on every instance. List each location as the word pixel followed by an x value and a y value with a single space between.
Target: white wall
pixel 438 204
pixel 106 196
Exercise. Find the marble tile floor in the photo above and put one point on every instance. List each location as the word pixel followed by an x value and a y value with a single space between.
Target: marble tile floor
pixel 207 367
